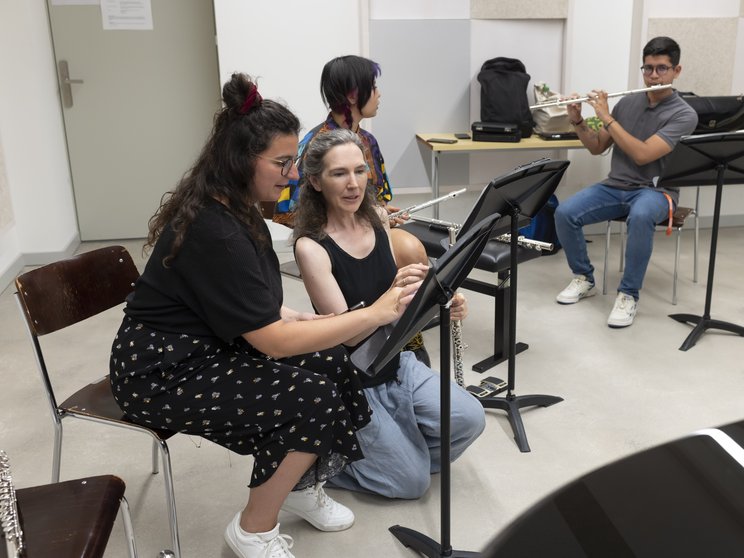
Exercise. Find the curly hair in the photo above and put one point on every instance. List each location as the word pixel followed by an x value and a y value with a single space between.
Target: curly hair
pixel 243 129
pixel 311 216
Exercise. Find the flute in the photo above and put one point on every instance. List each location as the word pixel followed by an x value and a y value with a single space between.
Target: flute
pixel 538 245
pixel 562 102
pixel 424 205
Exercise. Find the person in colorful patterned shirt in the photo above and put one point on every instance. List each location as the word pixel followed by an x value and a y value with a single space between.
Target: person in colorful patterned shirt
pixel 348 86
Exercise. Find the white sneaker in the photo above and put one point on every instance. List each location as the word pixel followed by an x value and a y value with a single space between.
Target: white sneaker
pixel 257 545
pixel 577 289
pixel 315 506
pixel 623 312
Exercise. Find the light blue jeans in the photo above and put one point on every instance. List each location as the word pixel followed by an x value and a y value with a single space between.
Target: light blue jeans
pixel 643 207
pixel 401 444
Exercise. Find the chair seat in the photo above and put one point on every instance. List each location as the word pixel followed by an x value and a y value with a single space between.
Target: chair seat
pixel 96 401
pixel 678 218
pixel 71 518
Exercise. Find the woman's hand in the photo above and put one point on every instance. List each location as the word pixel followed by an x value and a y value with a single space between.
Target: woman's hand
pixel 459 307
pixel 398 220
pixel 410 274
pixel 393 302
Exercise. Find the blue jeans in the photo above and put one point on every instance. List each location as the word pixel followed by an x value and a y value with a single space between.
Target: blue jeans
pixel 401 444
pixel 643 208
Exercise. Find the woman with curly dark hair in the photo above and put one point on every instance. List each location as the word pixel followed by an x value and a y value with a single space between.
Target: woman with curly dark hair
pixel 207 347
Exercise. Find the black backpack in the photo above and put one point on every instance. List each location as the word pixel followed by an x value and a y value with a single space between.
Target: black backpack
pixel 504 93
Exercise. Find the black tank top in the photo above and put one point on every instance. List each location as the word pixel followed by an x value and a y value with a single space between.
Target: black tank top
pixel 365 279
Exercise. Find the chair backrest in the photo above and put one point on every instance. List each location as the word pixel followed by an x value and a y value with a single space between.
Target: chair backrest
pixel 63 293
pixel 10 525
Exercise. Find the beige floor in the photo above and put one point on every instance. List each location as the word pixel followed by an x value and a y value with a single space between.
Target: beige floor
pixel 624 390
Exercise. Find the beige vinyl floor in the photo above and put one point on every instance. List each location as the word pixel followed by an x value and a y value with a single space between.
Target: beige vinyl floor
pixel 623 390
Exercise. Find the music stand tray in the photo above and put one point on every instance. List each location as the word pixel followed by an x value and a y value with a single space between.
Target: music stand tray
pixel 434 295
pixel 699 161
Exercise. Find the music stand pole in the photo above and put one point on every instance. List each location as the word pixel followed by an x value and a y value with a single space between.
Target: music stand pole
pixel 410 538
pixel 512 403
pixel 705 322
pixel 708 159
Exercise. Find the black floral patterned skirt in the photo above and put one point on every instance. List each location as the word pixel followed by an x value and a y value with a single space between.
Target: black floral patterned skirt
pixel 239 399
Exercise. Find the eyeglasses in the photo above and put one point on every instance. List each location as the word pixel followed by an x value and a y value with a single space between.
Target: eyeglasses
pixel 286 164
pixel 661 69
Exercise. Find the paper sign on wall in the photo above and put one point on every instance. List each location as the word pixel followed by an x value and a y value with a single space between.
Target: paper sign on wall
pixel 127 14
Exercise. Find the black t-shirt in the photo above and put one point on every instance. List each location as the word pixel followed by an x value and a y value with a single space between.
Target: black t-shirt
pixel 219 284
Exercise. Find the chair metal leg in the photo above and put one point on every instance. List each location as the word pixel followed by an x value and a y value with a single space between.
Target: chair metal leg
pixel 170 499
pixel 607 255
pixel 128 531
pixel 155 457
pixel 57 455
pixel 697 238
pixel 622 247
pixel 676 265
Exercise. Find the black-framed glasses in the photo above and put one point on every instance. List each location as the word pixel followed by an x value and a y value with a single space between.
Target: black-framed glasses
pixel 661 69
pixel 285 164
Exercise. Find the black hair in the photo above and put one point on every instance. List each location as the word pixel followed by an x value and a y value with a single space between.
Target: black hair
pixel 660 46
pixel 344 75
pixel 243 128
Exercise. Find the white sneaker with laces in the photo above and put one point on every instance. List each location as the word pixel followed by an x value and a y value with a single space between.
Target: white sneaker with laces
pixel 623 312
pixel 320 510
pixel 257 545
pixel 577 289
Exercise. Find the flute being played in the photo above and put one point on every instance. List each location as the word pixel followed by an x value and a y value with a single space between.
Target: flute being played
pixel 562 102
pixel 424 205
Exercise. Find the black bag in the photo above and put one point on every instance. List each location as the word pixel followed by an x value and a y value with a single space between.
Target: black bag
pixel 717 114
pixel 504 93
pixel 542 226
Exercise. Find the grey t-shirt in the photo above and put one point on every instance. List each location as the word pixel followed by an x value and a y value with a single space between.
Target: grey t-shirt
pixel 671 119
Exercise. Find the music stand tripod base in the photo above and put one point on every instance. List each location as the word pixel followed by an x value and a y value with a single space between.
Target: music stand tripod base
pixel 426 545
pixel 511 404
pixel 702 324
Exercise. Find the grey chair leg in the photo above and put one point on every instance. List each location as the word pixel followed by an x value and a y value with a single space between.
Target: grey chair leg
pixel 170 499
pixel 57 455
pixel 606 256
pixel 697 237
pixel 622 247
pixel 126 518
pixel 676 266
pixel 155 457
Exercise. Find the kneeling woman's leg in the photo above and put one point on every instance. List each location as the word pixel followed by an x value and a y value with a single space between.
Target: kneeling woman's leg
pixel 467 416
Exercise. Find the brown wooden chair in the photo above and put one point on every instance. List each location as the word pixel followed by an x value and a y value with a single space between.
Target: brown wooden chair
pixel 678 221
pixel 64 293
pixel 71 519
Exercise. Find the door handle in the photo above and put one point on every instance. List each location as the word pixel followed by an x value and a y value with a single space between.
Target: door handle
pixel 65 83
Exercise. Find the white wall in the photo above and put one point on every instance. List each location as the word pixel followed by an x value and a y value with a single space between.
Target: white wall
pixel 44 225
pixel 285 43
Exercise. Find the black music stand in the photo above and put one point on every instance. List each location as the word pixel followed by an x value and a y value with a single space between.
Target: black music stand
pixel 434 295
pixel 522 192
pixel 703 160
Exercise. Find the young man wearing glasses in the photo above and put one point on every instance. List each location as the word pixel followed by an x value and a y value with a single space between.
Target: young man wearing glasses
pixel 644 129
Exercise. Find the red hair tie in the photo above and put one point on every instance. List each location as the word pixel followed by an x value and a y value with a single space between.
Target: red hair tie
pixel 252 99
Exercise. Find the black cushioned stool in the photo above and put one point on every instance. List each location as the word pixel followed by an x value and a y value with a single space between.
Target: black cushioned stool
pixel 495 259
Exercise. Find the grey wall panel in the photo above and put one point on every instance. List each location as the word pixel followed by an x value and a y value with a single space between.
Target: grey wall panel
pixel 708 51
pixel 519 9
pixel 425 87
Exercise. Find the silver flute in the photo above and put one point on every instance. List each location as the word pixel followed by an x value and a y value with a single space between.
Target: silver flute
pixel 538 245
pixel 562 102
pixel 458 347
pixel 419 207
